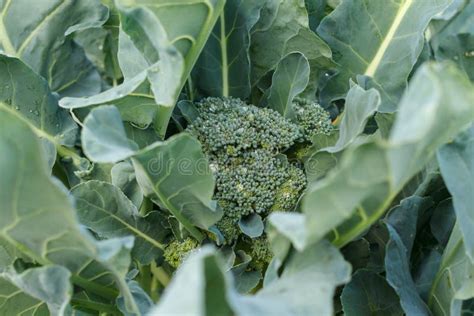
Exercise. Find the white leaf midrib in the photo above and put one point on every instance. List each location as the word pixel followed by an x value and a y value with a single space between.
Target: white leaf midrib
pixel 374 64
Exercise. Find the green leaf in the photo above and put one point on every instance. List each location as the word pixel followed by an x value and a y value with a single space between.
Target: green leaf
pixel 361 179
pixel 252 225
pixel 36 291
pixel 460 49
pixel 290 78
pixel 369 294
pixel 317 270
pixel 104 138
pixel 144 302
pixel 387 43
pixel 384 123
pixel 323 155
pixel 8 255
pixel 306 285
pixel 101 44
pixel 198 288
pixel 401 224
pixel 28 95
pixel 360 106
pixel 454 280
pixel 123 177
pixel 109 213
pixel 175 174
pixel 24 174
pixel 456 161
pixel 39 220
pixel 461 21
pixel 133 98
pixel 318 162
pixel 245 279
pixel 370 175
pixel 445 99
pixel 37 33
pixel 223 68
pixel 168 48
pixel 443 220
pixel 288 225
pixel 316 12
pixel 283 28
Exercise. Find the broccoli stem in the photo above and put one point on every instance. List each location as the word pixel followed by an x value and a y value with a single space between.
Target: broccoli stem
pixel 95 288
pixel 145 278
pixel 94 306
pixel 160 274
pixel 146 207
pixel 225 71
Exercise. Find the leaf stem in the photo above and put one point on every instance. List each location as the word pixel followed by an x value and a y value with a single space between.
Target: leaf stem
pixel 95 288
pixel 190 89
pixel 95 306
pixel 145 278
pixel 146 207
pixel 361 227
pixel 66 152
pixel 62 150
pixel 160 274
pixel 225 70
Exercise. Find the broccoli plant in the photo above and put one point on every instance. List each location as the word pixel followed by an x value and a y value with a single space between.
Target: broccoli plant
pixel 236 157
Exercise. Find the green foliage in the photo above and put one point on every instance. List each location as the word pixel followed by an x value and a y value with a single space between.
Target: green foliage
pixel 209 157
pixel 387 30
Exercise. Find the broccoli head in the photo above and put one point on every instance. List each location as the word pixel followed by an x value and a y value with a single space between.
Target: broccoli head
pixel 247 147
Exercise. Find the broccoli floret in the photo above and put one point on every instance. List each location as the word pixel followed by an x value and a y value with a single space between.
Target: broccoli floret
pixel 176 251
pixel 228 126
pixel 245 145
pixel 288 193
pixel 260 252
pixel 228 226
pixel 312 119
pixel 251 185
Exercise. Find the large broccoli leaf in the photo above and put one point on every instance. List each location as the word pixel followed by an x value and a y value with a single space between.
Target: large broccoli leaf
pixel 290 78
pixel 453 283
pixel 36 291
pixel 28 96
pixel 370 175
pixel 223 69
pixel 305 285
pixel 283 28
pixel 456 161
pixel 38 217
pixel 369 294
pixel 38 33
pixel 176 175
pixel 159 54
pixel 109 213
pixel 386 46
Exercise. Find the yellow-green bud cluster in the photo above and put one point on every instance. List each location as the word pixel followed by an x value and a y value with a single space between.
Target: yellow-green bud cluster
pixel 176 251
pixel 260 252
